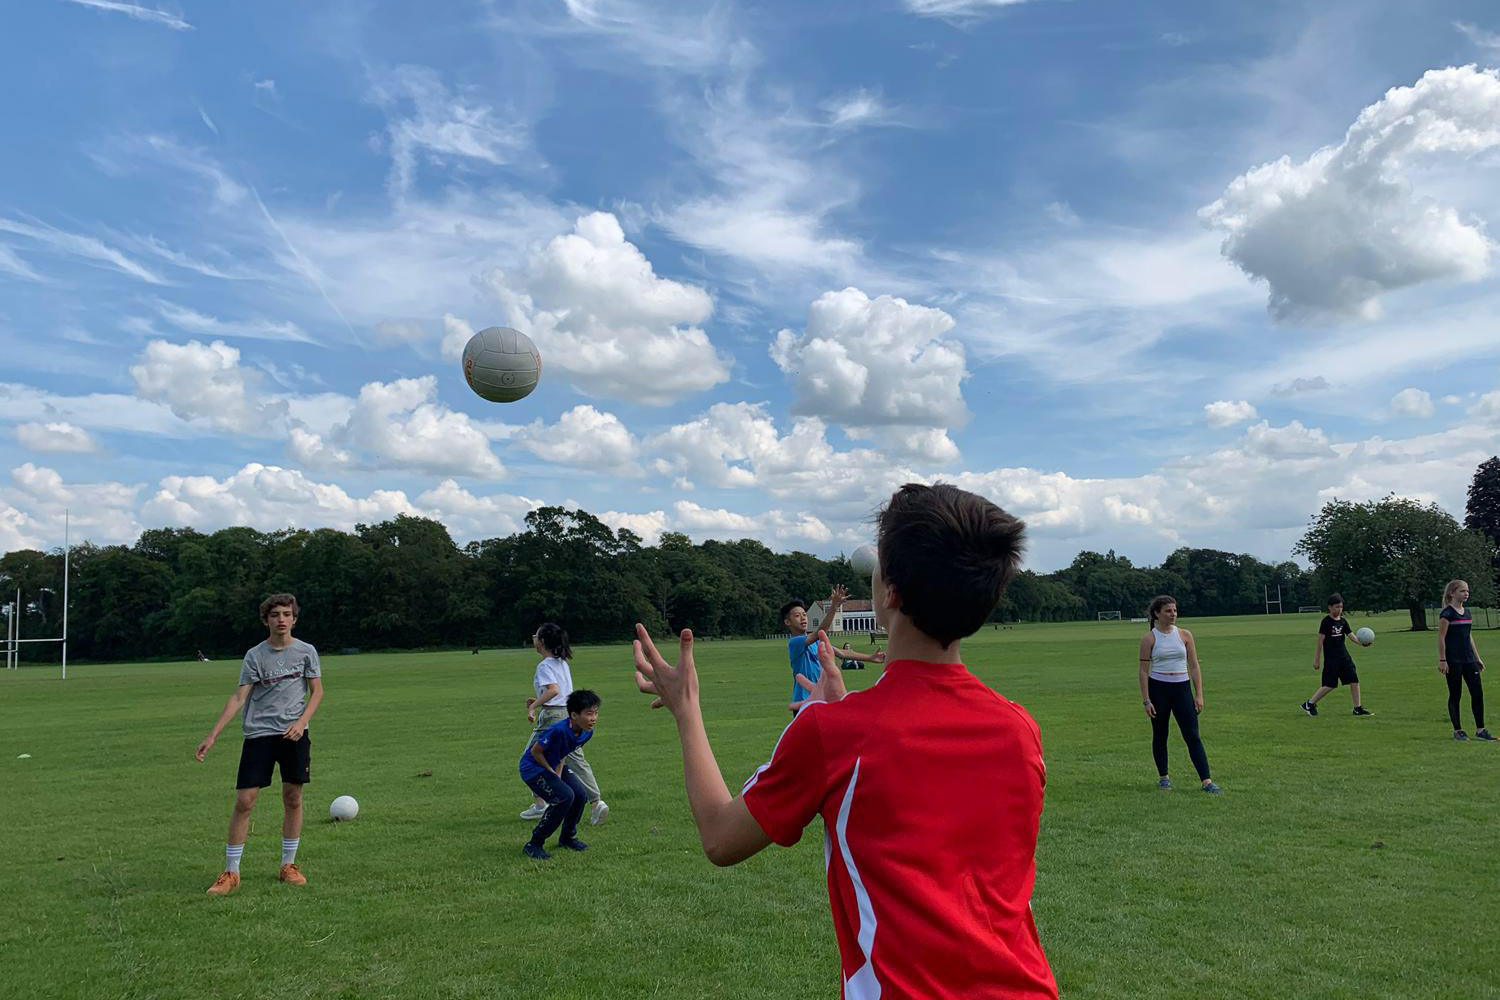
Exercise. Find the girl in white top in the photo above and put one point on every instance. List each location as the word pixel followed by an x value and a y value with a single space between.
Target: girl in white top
pixel 553 682
pixel 1172 684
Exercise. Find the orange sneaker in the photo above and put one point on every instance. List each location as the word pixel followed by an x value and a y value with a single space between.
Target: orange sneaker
pixel 291 876
pixel 225 884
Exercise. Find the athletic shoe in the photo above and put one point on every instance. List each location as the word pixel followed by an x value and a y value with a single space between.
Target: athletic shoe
pixel 1461 736
pixel 1165 784
pixel 1361 710
pixel 1213 789
pixel 1484 734
pixel 533 811
pixel 1310 708
pixel 573 844
pixel 599 813
pixel 291 876
pixel 225 884
pixel 535 852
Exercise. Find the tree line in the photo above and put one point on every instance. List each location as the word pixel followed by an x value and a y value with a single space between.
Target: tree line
pixel 405 584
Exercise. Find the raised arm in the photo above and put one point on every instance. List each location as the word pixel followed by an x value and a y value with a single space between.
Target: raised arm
pixel 231 709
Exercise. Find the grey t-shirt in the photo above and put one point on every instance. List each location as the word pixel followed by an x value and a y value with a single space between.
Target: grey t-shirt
pixel 280 680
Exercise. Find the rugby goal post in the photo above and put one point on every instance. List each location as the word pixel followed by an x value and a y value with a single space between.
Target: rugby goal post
pixel 1109 616
pixel 15 611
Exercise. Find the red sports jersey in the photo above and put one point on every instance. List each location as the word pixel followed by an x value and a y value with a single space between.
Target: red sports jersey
pixel 930 787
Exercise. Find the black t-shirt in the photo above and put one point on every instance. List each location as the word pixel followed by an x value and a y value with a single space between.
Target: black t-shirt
pixel 1460 646
pixel 1334 630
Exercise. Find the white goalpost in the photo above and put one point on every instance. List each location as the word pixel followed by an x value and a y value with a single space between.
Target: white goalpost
pixel 1109 616
pixel 13 640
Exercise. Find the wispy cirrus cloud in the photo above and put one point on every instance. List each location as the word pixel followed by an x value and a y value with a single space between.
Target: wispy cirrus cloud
pixel 137 12
pixel 958 9
pixel 76 245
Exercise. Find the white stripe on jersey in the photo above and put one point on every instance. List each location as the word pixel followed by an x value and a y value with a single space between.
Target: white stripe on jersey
pixel 862 985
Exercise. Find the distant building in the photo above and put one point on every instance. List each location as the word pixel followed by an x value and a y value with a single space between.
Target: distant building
pixel 854 616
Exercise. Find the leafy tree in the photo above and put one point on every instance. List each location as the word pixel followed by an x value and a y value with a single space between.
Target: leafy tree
pixel 1482 513
pixel 1395 553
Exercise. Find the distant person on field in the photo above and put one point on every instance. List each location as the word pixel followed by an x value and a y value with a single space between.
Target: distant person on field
pixel 848 662
pixel 1458 659
pixel 1172 684
pixel 929 784
pixel 803 649
pixel 553 682
pixel 281 686
pixel 1334 660
pixel 546 768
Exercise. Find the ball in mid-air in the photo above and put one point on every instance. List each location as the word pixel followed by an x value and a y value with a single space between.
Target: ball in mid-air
pixel 864 559
pixel 1365 636
pixel 344 808
pixel 502 365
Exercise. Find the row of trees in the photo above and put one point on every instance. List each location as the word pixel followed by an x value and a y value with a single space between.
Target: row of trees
pixel 404 583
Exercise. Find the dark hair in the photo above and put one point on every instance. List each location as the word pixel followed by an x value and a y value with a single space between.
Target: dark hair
pixel 1157 603
pixel 555 641
pixel 949 554
pixel 1335 599
pixel 582 700
pixel 786 608
pixel 279 601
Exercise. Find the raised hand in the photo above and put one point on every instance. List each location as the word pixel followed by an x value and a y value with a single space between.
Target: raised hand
pixel 838 595
pixel 830 683
pixel 674 687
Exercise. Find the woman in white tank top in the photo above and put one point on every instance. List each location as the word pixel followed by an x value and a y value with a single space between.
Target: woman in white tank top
pixel 1172 684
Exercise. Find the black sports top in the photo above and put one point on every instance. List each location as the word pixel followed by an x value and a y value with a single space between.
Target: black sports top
pixel 1460 646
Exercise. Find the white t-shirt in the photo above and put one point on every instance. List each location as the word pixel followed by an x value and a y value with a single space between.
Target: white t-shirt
pixel 554 671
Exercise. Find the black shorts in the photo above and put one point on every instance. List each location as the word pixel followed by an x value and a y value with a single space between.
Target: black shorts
pixel 259 757
pixel 1339 672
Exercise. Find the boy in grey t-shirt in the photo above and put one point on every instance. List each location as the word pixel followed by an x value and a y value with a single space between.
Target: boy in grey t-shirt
pixel 280 688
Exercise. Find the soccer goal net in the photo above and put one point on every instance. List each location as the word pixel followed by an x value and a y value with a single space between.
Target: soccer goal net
pixel 1109 616
pixel 1305 608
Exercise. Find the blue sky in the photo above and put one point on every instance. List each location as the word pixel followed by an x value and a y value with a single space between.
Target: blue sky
pixel 1146 275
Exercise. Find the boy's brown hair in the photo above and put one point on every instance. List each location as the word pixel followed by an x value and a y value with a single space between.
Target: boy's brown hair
pixel 279 601
pixel 949 553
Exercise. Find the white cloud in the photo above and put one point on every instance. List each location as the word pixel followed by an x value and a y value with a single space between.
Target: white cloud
pixel 603 319
pixel 441 126
pixel 700 39
pixel 1225 412
pixel 266 86
pixel 1333 233
pixel 15 266
pixel 269 498
pixel 958 9
pixel 858 108
pixel 207 382
pixel 868 363
pixel 1487 40
pixel 1298 386
pixel 99 411
pixel 1412 403
pixel 191 321
pixel 392 332
pixel 456 335
pixel 584 438
pixel 1487 407
pixel 1290 441
pixel 138 13
pixel 648 526
pixel 782 526
pixel 34 509
pixel 56 436
pixel 75 245
pixel 469 516
pixel 400 425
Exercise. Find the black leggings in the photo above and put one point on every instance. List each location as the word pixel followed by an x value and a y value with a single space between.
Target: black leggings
pixel 1458 674
pixel 1175 698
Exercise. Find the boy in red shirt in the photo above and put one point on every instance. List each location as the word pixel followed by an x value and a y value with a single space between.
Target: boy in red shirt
pixel 929 784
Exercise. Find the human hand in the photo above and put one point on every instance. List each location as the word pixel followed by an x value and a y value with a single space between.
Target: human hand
pixel 295 732
pixel 675 688
pixel 879 656
pixel 1198 703
pixel 830 683
pixel 838 595
pixel 1443 667
pixel 1150 710
pixel 204 748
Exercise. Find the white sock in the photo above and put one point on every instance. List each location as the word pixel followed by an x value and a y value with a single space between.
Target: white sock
pixel 232 854
pixel 289 850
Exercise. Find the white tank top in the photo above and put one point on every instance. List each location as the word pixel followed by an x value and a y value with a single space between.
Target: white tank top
pixel 1169 656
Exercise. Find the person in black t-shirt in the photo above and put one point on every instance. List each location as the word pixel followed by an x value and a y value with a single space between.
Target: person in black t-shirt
pixel 1458 659
pixel 1333 659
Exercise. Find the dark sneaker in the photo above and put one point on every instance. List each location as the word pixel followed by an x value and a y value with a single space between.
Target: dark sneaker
pixel 573 844
pixel 1361 710
pixel 535 852
pixel 1486 735
pixel 1165 784
pixel 1310 708
pixel 1461 736
pixel 1213 789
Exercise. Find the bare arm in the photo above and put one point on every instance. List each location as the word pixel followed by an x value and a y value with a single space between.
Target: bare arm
pixel 1475 647
pixel 541 758
pixel 314 699
pixel 849 654
pixel 1148 641
pixel 1194 671
pixel 727 830
pixel 231 709
pixel 1443 645
pixel 532 704
pixel 1318 652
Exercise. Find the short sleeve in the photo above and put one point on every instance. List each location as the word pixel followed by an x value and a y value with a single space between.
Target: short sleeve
pixel 546 674
pixel 247 669
pixel 314 666
pixel 1448 613
pixel 1326 625
pixel 796 651
pixel 788 793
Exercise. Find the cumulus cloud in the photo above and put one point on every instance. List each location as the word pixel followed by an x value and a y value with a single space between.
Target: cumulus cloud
pixel 782 526
pixel 883 362
pixel 1298 386
pixel 39 501
pixel 1487 407
pixel 207 382
pixel 1226 413
pixel 56 436
pixel 606 322
pixel 584 438
pixel 1290 441
pixel 1412 403
pixel 456 335
pixel 1331 234
pixel 267 497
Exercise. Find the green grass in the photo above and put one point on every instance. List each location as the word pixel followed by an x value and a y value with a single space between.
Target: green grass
pixel 1350 858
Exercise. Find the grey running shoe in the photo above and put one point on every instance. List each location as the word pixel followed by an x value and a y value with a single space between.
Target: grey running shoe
pixel 1165 784
pixel 533 811
pixel 1310 708
pixel 599 813
pixel 1213 789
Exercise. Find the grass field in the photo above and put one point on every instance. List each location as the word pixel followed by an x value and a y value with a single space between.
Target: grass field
pixel 1349 857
